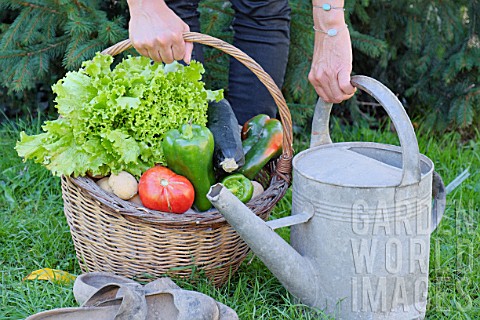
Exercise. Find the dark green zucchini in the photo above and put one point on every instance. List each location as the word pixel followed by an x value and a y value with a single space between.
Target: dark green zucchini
pixel 222 122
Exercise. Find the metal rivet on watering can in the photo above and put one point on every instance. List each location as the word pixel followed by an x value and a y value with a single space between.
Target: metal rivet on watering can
pixel 361 221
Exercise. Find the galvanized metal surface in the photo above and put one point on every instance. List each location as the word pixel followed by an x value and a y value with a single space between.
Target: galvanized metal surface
pixel 364 253
pixel 294 271
pixel 290 220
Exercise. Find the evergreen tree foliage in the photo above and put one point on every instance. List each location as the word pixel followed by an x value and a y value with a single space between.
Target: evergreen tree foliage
pixel 42 38
pixel 427 52
pixel 46 31
pixel 215 19
pixel 433 57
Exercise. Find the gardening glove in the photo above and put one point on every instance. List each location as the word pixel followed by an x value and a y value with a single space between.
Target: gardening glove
pixel 157 32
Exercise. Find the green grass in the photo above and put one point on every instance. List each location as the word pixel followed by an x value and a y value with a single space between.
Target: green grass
pixel 34 234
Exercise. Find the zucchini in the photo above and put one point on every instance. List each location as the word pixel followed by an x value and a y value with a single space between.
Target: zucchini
pixel 228 153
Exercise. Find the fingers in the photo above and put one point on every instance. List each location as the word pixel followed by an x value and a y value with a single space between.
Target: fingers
pixel 345 85
pixel 188 52
pixel 157 32
pixel 159 50
pixel 154 55
pixel 166 54
pixel 331 86
pixel 165 49
pixel 178 50
pixel 142 51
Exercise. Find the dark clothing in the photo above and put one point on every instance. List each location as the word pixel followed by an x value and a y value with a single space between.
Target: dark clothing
pixel 261 30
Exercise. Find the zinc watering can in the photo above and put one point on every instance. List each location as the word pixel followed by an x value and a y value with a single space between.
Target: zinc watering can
pixel 362 215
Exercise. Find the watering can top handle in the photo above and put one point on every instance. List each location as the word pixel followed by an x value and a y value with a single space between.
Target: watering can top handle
pixel 396 112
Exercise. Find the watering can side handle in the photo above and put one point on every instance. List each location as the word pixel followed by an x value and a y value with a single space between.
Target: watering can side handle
pixel 403 125
pixel 320 124
pixel 439 200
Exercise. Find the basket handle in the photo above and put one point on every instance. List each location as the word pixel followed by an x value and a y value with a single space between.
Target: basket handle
pixel 284 163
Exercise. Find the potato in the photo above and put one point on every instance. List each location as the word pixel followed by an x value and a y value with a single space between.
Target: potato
pixel 123 185
pixel 103 184
pixel 257 189
pixel 136 199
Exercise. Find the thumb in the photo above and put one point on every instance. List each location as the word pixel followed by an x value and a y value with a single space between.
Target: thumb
pixel 344 82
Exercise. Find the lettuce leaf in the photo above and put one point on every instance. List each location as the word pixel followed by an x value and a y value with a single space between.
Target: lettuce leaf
pixel 114 119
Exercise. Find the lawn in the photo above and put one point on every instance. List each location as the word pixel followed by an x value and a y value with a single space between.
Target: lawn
pixel 34 234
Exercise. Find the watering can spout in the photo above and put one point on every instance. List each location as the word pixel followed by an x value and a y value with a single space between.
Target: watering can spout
pixel 293 270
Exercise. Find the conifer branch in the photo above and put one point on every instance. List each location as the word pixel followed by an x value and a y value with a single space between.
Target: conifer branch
pixel 79 54
pixel 216 9
pixel 33 26
pixel 50 47
pixel 472 94
pixel 36 6
pixel 28 53
pixel 422 52
pixel 17 24
pixel 17 83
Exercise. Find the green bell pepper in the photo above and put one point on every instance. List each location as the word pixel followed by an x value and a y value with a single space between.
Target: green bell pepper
pixel 240 186
pixel 263 140
pixel 189 152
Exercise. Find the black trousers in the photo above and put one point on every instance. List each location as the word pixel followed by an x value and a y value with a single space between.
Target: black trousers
pixel 261 30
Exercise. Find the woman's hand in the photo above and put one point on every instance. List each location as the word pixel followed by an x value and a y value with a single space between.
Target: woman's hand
pixel 332 57
pixel 157 32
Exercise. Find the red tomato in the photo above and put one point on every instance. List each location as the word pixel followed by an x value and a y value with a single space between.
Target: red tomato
pixel 162 189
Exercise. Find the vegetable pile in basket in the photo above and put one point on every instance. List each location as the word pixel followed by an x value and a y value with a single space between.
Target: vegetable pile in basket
pixel 156 123
pixel 113 120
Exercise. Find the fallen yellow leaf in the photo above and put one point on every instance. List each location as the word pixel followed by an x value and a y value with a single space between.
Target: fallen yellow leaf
pixel 54 275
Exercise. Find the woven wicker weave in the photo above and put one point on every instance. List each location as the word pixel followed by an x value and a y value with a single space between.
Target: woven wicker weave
pixel 118 236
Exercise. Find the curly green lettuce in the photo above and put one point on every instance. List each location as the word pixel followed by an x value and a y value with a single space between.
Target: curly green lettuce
pixel 114 120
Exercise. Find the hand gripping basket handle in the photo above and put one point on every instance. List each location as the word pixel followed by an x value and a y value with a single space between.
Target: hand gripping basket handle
pixel 284 163
pixel 396 112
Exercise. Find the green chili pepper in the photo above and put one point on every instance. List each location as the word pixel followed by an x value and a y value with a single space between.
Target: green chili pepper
pixel 189 152
pixel 240 186
pixel 263 142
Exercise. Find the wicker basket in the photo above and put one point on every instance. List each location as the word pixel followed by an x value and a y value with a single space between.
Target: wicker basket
pixel 118 236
